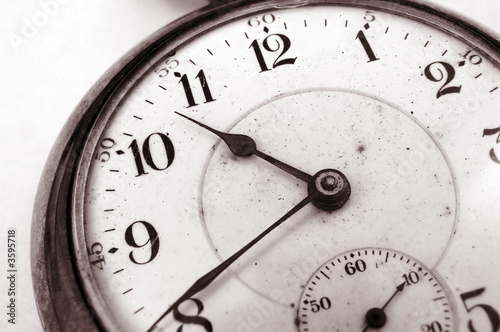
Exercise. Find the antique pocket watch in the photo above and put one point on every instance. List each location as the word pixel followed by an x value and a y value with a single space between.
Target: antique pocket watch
pixel 281 166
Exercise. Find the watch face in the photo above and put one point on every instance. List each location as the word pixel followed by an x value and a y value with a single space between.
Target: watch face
pixel 278 166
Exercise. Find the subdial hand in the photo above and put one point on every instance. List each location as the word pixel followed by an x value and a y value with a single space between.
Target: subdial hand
pixel 208 278
pixel 375 317
pixel 245 146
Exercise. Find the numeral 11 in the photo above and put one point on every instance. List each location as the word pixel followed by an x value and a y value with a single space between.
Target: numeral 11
pixel 187 88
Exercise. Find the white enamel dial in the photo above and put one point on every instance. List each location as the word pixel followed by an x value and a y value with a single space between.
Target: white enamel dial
pixel 406 110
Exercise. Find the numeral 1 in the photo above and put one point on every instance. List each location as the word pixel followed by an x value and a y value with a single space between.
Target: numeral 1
pixel 368 49
pixel 187 88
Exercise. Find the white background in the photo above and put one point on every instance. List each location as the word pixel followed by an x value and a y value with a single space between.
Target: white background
pixel 51 52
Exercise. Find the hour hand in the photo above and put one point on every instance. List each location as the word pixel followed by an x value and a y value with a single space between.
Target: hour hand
pixel 244 146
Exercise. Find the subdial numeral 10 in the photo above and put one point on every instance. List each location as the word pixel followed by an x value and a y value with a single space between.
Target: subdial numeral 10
pixel 411 278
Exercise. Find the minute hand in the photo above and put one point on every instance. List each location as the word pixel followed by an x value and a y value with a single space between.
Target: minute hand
pixel 244 146
pixel 208 278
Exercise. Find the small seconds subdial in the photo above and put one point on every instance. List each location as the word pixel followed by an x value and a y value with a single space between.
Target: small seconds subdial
pixel 374 289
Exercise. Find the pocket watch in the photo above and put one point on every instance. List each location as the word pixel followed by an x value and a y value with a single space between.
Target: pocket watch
pixel 321 165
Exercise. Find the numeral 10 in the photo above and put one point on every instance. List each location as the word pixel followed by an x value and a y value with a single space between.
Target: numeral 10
pixel 147 155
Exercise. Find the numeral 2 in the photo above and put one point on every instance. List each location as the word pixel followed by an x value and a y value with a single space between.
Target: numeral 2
pixel 447 76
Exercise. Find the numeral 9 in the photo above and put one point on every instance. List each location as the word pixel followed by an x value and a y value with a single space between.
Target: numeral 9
pixel 153 240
